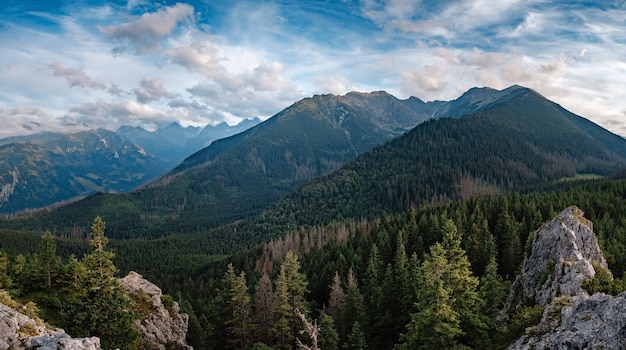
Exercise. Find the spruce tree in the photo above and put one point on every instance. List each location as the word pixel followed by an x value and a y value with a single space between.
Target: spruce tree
pixel 264 307
pixel 48 261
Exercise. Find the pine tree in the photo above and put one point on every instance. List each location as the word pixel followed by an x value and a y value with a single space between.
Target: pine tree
pixel 264 307
pixel 356 339
pixel 240 326
pixel 464 284
pixel 99 307
pixel 99 262
pixel 436 325
pixel 48 261
pixel 328 338
pixel 355 307
pixel 288 296
pixel 283 312
pixel 5 280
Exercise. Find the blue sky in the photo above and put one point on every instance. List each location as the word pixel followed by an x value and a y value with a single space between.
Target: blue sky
pixel 74 65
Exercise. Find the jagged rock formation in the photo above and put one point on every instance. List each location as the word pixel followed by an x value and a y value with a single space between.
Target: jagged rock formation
pixel 18 331
pixel 564 252
pixel 162 325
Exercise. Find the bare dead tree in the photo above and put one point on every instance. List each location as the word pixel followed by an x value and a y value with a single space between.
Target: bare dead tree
pixel 311 329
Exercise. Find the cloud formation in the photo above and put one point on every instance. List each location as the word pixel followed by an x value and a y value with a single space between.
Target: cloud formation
pixel 75 77
pixel 143 63
pixel 144 33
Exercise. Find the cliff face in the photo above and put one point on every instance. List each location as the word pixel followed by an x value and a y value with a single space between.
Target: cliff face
pixel 564 252
pixel 162 326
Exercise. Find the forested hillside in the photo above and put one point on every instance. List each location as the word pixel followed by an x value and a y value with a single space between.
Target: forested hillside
pixel 443 212
pixel 52 168
pixel 237 177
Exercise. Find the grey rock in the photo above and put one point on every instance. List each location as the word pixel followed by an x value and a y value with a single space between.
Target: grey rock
pixel 563 253
pixel 595 322
pixel 162 326
pixel 64 342
pixel 18 331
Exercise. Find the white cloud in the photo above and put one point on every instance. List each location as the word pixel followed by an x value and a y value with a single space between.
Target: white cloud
pixel 75 77
pixel 151 90
pixel 144 34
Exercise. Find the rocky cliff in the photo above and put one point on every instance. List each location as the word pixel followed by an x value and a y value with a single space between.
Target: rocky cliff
pixel 161 326
pixel 18 331
pixel 564 254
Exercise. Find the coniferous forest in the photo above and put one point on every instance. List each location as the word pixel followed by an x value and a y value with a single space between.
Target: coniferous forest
pixel 364 283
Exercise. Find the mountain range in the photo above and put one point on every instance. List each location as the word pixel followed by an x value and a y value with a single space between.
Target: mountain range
pixel 486 141
pixel 367 188
pixel 47 168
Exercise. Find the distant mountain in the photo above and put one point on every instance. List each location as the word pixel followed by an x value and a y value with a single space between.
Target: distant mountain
pixel 40 138
pixel 236 177
pixel 51 168
pixel 174 143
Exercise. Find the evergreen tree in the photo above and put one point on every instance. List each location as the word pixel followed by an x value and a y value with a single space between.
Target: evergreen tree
pixel 337 298
pixel 5 279
pixel 328 338
pixel 283 312
pixel 355 308
pixel 98 306
pixel 356 339
pixel 463 286
pixel 240 326
pixel 48 261
pixel 436 325
pixel 264 307
pixel 99 262
pixel 288 296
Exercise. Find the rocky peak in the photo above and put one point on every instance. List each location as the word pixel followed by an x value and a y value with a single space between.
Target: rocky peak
pixel 161 324
pixel 563 253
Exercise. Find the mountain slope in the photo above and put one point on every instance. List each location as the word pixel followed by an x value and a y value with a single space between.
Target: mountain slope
pixel 519 142
pixel 237 177
pixel 34 175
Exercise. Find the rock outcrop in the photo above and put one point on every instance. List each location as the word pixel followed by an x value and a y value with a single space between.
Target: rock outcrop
pixel 18 331
pixel 564 253
pixel 161 324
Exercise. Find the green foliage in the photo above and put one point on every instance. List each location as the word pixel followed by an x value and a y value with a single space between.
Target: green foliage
pixel 602 281
pixel 548 270
pixel 524 318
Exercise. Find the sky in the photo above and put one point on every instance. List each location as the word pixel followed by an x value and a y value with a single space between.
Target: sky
pixel 69 65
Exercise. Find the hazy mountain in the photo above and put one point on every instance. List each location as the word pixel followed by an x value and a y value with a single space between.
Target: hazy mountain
pixel 174 143
pixel 40 138
pixel 52 168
